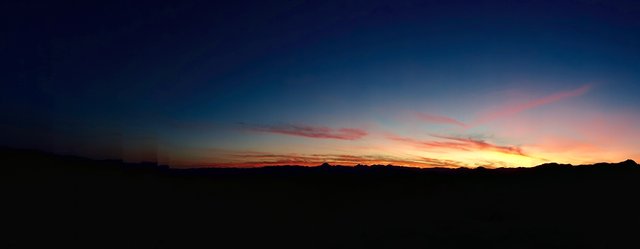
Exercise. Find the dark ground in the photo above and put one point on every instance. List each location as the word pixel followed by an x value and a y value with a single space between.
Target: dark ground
pixel 60 202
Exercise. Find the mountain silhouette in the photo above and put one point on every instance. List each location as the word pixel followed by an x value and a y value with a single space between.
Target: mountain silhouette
pixel 629 162
pixel 73 202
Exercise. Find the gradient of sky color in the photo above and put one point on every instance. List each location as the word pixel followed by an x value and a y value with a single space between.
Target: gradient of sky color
pixel 252 83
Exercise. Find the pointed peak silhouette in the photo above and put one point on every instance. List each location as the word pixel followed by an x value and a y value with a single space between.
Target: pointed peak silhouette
pixel 629 162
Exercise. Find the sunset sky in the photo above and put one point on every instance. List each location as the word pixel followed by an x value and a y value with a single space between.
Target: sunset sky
pixel 254 83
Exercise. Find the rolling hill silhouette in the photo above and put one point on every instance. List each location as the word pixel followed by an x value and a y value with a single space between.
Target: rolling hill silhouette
pixel 63 201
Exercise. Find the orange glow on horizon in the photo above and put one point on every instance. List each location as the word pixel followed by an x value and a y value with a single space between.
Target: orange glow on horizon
pixel 510 136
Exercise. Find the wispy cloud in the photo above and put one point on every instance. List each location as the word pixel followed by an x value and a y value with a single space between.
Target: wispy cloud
pixel 439 119
pixel 518 108
pixel 458 143
pixel 258 159
pixel 309 131
pixel 505 111
pixel 483 145
pixel 441 163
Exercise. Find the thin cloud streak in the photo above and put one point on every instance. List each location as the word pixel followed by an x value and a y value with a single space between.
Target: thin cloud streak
pixel 515 109
pixel 481 144
pixel 439 119
pixel 464 144
pixel 309 131
pixel 505 111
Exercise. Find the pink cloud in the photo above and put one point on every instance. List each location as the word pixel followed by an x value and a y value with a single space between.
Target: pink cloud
pixel 310 131
pixel 515 109
pixel 480 144
pixel 465 144
pixel 438 119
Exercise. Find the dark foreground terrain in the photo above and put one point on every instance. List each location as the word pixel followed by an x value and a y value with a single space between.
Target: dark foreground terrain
pixel 60 202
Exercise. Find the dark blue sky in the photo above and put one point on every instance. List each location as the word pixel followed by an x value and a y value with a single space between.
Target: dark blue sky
pixel 101 79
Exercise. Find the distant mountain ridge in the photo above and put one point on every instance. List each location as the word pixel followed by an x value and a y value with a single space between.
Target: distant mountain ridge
pixel 27 155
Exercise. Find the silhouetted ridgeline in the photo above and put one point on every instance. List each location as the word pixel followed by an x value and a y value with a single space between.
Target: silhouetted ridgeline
pixel 62 201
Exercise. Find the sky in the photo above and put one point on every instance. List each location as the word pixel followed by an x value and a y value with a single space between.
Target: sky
pixel 255 83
